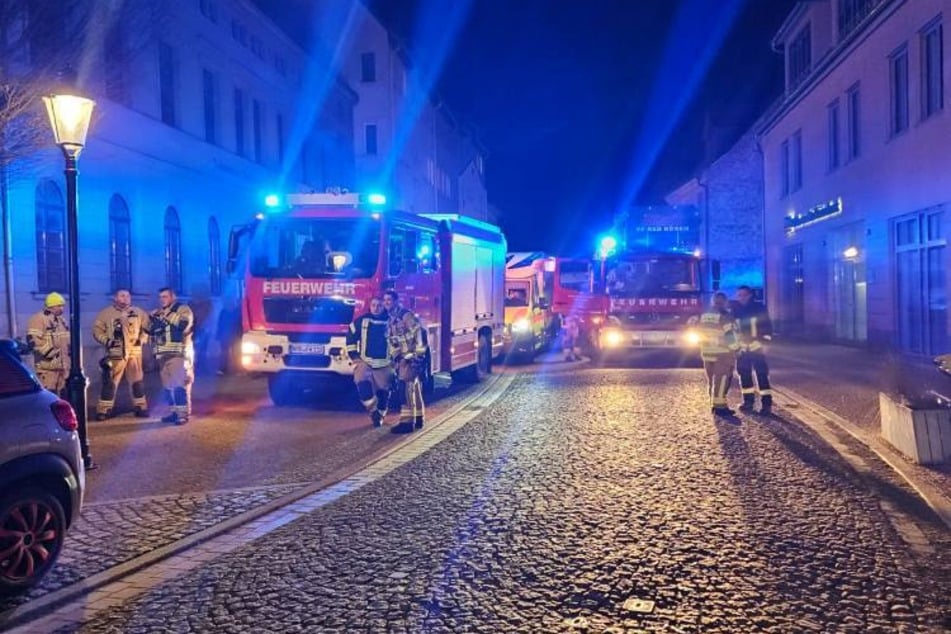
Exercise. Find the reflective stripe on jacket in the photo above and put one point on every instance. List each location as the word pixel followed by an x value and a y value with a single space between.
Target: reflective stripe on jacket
pixel 405 335
pixel 753 325
pixel 172 329
pixel 48 334
pixel 121 330
pixel 367 337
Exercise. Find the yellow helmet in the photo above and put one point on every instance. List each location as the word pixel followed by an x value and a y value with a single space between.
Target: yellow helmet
pixel 54 299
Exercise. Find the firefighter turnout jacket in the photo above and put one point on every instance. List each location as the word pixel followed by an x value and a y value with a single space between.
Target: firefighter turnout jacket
pixel 367 340
pixel 753 326
pixel 717 334
pixel 172 329
pixel 48 334
pixel 406 335
pixel 122 331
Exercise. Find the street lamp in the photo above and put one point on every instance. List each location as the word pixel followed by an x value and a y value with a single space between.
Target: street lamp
pixel 69 117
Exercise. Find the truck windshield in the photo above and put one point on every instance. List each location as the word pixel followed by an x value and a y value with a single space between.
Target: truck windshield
pixel 574 276
pixel 316 247
pixel 644 276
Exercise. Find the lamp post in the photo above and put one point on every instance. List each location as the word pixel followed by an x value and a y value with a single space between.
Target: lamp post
pixel 69 118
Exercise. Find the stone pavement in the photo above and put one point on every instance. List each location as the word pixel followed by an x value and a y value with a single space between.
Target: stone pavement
pixel 847 381
pixel 597 501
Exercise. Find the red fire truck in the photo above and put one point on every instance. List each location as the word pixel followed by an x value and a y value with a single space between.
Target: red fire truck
pixel 576 292
pixel 312 264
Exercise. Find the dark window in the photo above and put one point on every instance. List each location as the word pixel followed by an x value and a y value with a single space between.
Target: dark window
pixel 209 9
pixel 280 138
pixel 239 121
pixel 173 250
pixel 853 12
pixel 167 83
pixel 50 237
pixel 120 244
pixel 784 168
pixel 795 161
pixel 211 104
pixel 921 283
pixel 800 56
pixel 832 114
pixel 116 61
pixel 932 70
pixel 368 67
pixel 256 129
pixel 854 146
pixel 214 256
pixel 371 139
pixel 14 377
pixel 795 304
pixel 403 247
pixel 898 79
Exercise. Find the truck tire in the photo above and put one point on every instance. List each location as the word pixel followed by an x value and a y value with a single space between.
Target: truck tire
pixel 483 365
pixel 279 389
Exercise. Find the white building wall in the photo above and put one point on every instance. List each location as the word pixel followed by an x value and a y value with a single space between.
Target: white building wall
pixel 892 176
pixel 131 152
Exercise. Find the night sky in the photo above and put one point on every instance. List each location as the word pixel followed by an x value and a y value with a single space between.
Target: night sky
pixel 576 101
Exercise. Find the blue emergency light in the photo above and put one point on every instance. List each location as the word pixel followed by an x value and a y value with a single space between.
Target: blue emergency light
pixel 376 199
pixel 272 200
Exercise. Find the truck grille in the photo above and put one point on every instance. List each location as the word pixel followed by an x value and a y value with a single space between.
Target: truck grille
pixel 659 320
pixel 307 310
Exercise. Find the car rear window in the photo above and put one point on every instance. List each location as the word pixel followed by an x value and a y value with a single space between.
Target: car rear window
pixel 14 377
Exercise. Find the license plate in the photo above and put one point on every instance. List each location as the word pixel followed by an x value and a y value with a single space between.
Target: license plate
pixel 655 337
pixel 307 348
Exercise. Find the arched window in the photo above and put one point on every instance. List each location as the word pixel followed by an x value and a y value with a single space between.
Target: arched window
pixel 120 244
pixel 173 250
pixel 214 256
pixel 50 237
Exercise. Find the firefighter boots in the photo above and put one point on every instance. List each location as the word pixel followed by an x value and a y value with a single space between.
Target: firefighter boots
pixel 406 427
pixel 767 408
pixel 377 418
pixel 418 422
pixel 140 412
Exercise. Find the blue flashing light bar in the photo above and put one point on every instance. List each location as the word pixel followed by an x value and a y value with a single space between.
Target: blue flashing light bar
pixel 272 200
pixel 376 199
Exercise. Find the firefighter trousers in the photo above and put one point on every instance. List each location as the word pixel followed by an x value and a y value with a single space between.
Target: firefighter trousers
pixel 373 386
pixel 176 382
pixel 131 368
pixel 746 364
pixel 411 406
pixel 53 380
pixel 719 369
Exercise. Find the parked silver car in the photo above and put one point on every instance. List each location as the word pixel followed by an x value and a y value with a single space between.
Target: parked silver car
pixel 41 474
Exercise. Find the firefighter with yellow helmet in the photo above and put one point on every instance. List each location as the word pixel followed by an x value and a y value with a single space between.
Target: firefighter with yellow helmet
pixel 48 336
pixel 172 326
pixel 121 329
pixel 718 346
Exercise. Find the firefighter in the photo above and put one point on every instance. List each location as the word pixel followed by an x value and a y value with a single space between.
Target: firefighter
pixel 48 336
pixel 569 337
pixel 718 347
pixel 408 350
pixel 368 348
pixel 754 331
pixel 171 327
pixel 122 329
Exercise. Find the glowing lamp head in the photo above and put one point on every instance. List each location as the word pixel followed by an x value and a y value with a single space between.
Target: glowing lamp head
pixel 69 117
pixel 376 199
pixel 607 245
pixel 850 253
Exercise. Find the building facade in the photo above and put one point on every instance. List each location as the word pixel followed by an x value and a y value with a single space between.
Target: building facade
pixel 406 142
pixel 194 123
pixel 856 189
pixel 729 196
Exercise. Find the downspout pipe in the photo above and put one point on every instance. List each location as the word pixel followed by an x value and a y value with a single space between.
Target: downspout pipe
pixel 7 235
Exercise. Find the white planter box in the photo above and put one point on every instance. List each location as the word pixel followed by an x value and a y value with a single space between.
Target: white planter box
pixel 922 435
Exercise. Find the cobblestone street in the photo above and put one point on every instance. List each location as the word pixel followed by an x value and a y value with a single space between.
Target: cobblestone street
pixel 571 498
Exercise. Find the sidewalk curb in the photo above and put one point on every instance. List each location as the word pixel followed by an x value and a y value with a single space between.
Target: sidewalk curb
pixel 934 498
pixel 45 604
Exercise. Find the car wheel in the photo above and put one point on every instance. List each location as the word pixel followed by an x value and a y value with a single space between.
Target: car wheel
pixel 32 530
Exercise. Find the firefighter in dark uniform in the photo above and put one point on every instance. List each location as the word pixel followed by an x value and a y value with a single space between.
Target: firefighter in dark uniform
pixel 408 351
pixel 754 331
pixel 48 335
pixel 369 349
pixel 121 329
pixel 171 327
pixel 718 347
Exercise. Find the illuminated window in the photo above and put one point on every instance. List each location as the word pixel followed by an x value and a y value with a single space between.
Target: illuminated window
pixel 173 250
pixel 50 237
pixel 214 256
pixel 120 244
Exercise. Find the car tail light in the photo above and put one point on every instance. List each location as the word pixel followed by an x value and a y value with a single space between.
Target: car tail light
pixel 65 415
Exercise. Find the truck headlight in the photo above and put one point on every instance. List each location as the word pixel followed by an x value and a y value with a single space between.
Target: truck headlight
pixel 250 347
pixel 692 338
pixel 521 325
pixel 611 338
